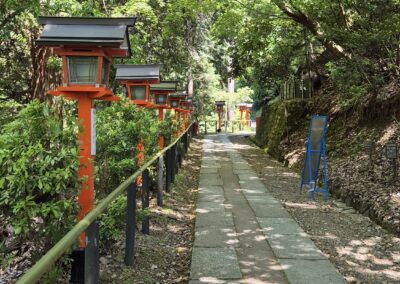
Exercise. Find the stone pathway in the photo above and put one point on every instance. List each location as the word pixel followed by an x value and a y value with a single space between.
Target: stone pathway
pixel 243 234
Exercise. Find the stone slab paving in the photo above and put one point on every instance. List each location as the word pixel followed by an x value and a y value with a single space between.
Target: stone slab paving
pixel 218 262
pixel 208 237
pixel 263 199
pixel 251 192
pixel 242 233
pixel 269 210
pixel 280 226
pixel 248 177
pixel 206 170
pixel 205 181
pixel 213 219
pixel 302 271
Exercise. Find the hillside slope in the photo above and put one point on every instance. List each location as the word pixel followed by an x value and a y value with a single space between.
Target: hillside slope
pixel 371 189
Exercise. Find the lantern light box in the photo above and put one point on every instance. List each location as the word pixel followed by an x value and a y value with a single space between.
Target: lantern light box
pixel 137 79
pixel 86 46
pixel 174 100
pixel 161 91
pixel 220 105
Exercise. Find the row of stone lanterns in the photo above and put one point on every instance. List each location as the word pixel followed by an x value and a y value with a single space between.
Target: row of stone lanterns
pixel 86 47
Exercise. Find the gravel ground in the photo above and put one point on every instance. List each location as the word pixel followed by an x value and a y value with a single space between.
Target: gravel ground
pixel 164 256
pixel 362 251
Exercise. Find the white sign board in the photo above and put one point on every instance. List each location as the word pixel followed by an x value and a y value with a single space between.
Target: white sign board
pixel 93 131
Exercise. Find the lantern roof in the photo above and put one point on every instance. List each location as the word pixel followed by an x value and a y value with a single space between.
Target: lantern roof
pixel 136 72
pixel 220 103
pixel 245 105
pixel 89 31
pixel 164 86
pixel 178 96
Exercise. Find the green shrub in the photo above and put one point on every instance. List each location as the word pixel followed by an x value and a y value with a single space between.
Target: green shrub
pixel 167 128
pixel 38 174
pixel 119 129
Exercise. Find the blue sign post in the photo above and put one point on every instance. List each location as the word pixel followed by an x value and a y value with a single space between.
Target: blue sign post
pixel 315 150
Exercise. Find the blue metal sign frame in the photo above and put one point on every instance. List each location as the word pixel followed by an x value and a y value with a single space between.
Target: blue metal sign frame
pixel 312 157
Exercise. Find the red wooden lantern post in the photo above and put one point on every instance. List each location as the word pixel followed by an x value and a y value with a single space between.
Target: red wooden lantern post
pixel 174 103
pixel 161 93
pixel 248 117
pixel 220 108
pixel 245 108
pixel 186 110
pixel 86 46
pixel 136 79
pixel 242 108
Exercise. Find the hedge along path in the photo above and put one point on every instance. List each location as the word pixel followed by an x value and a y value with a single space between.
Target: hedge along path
pixel 48 260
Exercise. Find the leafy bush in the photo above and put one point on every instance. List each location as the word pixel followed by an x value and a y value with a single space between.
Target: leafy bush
pixel 168 128
pixel 8 110
pixel 113 221
pixel 38 174
pixel 119 129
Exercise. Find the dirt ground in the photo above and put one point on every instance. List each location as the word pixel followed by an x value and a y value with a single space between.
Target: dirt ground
pixel 164 256
pixel 362 251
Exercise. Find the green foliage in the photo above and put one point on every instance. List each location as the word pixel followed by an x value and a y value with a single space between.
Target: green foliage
pixel 119 130
pixel 271 41
pixel 38 174
pixel 167 128
pixel 113 221
pixel 8 110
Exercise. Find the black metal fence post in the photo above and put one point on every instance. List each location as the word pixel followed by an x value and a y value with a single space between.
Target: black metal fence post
pixel 145 201
pixel 181 152
pixel 188 137
pixel 130 225
pixel 173 163
pixel 168 171
pixel 92 266
pixel 160 184
pixel 185 142
pixel 178 155
pixel 176 158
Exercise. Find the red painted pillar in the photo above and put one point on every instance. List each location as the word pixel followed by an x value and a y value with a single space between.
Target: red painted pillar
pixel 140 159
pixel 241 119
pixel 86 168
pixel 184 121
pixel 248 118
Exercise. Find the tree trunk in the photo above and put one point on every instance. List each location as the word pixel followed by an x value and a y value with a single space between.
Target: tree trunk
pixel 41 79
pixel 299 17
pixel 190 88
